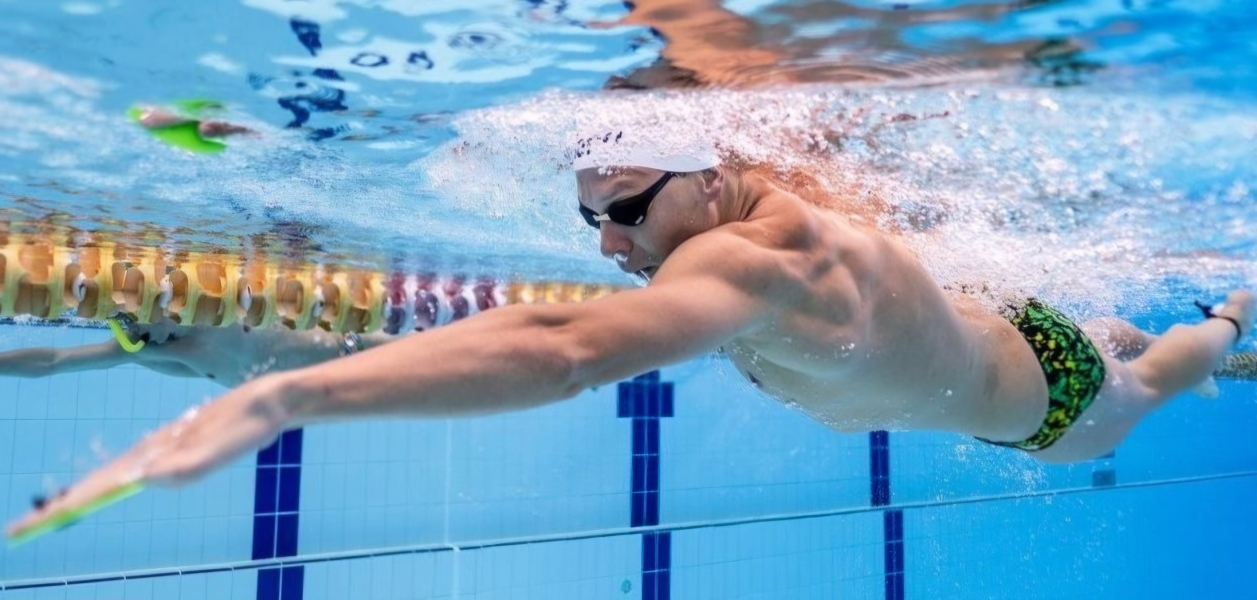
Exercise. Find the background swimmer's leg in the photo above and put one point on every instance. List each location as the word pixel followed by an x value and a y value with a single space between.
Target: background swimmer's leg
pixel 1187 354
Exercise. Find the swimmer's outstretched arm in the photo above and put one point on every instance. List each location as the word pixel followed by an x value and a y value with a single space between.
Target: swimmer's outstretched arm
pixel 712 290
pixel 46 362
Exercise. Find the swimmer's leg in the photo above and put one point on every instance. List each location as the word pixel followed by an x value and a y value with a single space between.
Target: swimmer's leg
pixel 1118 338
pixel 1187 354
pixel 216 129
pixel 151 117
pixel 1125 342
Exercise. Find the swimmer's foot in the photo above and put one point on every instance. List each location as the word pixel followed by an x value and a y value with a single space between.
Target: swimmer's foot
pixel 217 129
pixel 1238 309
pixel 1207 389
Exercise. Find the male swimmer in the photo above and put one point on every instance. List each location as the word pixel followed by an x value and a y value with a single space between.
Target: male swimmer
pixel 829 315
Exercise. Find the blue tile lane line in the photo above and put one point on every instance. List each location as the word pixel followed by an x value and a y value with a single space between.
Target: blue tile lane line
pixel 645 400
pixel 892 524
pixel 1104 478
pixel 1103 473
pixel 657 566
pixel 276 502
pixel 879 468
pixel 892 520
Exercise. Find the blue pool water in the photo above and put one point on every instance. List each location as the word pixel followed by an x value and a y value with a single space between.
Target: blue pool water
pixel 1098 154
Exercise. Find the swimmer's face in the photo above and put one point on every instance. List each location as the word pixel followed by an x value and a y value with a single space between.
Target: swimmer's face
pixel 684 207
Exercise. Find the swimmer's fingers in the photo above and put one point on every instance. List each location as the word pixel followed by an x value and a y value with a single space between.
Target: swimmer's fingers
pixel 185 450
pixel 213 434
pixel 74 502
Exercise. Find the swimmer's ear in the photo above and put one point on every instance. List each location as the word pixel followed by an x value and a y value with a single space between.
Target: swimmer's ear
pixel 713 181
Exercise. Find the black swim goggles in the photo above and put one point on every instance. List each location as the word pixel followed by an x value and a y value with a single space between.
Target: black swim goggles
pixel 630 211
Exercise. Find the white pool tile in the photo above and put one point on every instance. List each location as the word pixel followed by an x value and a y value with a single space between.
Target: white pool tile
pixel 32 397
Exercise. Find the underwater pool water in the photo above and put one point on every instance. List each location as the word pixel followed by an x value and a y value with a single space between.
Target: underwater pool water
pixel 1097 154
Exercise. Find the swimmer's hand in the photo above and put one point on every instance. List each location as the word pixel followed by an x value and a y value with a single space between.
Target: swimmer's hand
pixel 205 438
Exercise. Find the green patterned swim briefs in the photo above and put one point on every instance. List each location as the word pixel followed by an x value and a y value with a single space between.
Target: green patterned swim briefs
pixel 1073 367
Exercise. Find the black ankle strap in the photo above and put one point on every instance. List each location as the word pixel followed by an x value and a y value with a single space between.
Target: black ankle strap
pixel 1209 314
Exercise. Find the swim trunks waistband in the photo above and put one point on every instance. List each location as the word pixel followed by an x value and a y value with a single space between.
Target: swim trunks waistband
pixel 1073 367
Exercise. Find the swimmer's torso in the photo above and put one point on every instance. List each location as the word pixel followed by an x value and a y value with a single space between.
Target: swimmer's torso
pixel 864 339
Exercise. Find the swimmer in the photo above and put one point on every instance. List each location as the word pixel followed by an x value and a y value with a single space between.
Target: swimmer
pixel 227 355
pixel 154 117
pixel 819 311
pixel 189 127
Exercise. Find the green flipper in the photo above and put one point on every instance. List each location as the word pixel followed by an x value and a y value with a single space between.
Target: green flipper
pixel 63 518
pixel 198 107
pixel 185 136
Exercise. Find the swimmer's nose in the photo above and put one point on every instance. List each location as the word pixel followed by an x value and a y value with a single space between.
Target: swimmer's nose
pixel 613 242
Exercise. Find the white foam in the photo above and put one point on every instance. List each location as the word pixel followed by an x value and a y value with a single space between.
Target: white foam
pixel 1084 198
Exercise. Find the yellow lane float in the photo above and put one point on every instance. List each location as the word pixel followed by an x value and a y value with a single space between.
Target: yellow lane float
pixel 104 280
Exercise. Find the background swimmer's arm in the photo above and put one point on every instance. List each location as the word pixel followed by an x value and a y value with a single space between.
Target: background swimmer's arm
pixel 33 363
pixel 46 362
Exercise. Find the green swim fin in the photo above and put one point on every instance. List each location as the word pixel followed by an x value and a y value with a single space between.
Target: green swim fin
pixel 198 107
pixel 185 136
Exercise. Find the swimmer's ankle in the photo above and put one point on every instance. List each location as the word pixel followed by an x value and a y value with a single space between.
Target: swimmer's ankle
pixel 1237 310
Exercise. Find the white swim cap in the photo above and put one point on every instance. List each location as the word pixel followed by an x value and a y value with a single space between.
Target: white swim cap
pixel 620 148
